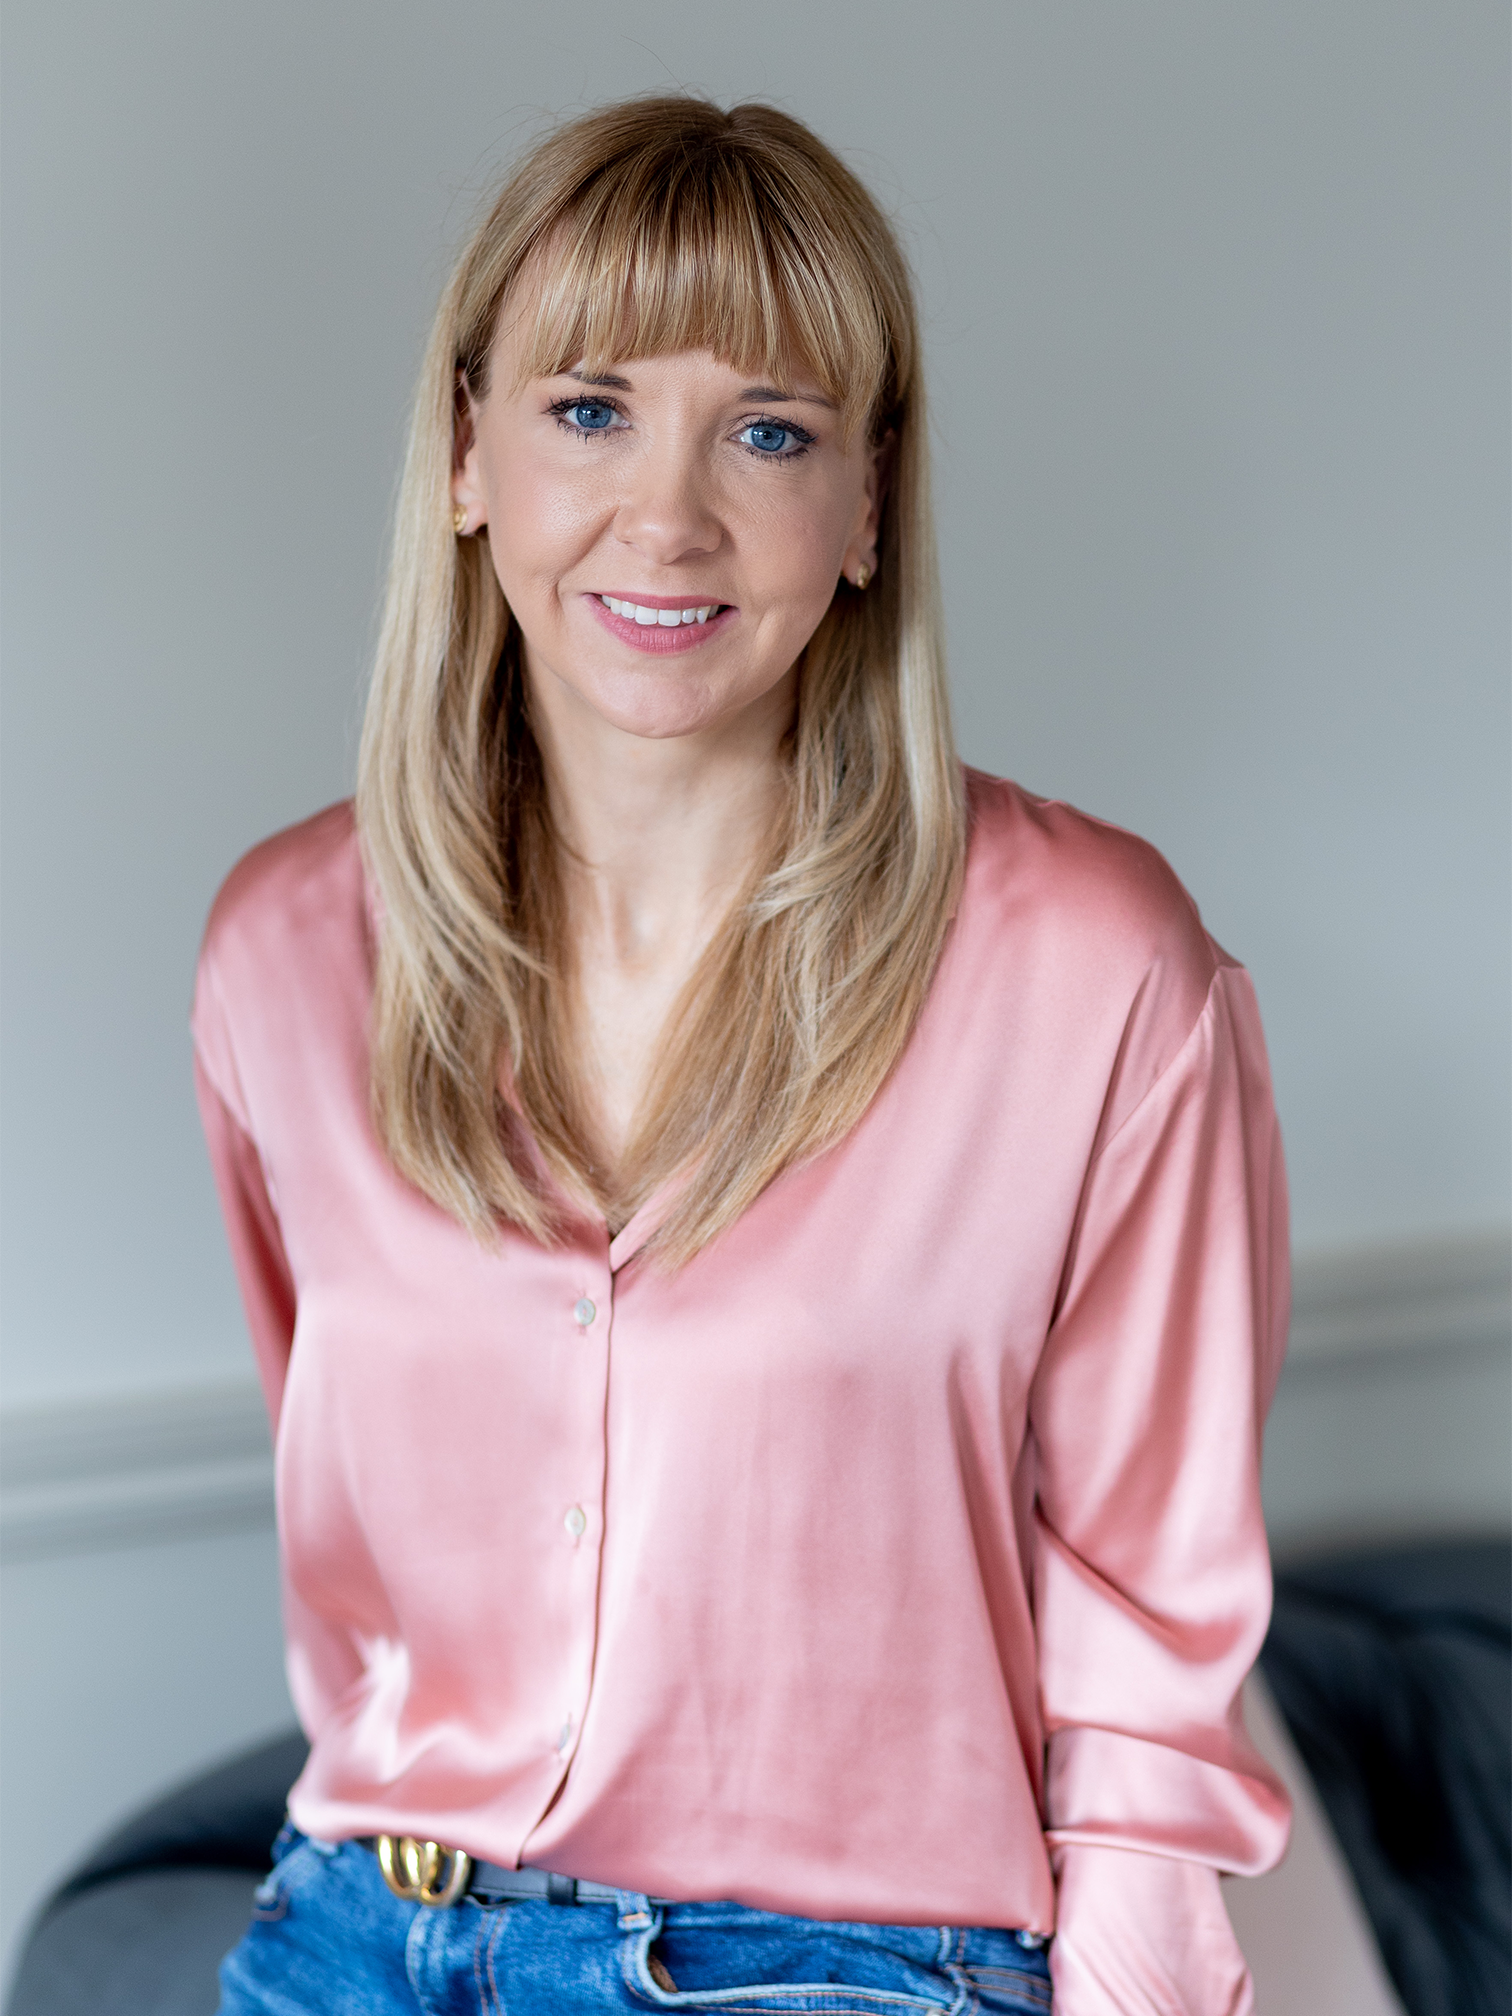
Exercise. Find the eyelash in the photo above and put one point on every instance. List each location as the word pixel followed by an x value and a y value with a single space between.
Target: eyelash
pixel 560 408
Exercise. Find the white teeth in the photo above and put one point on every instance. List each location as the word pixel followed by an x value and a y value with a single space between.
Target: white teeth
pixel 665 619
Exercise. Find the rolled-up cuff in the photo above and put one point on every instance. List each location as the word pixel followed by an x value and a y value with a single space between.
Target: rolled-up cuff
pixel 1103 1786
pixel 1143 1935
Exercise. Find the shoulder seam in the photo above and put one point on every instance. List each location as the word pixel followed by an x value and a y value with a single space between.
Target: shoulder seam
pixel 1169 1068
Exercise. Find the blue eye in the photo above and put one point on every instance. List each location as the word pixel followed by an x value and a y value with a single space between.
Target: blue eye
pixel 767 437
pixel 592 415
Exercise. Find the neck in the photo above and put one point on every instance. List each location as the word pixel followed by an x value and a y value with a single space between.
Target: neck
pixel 661 833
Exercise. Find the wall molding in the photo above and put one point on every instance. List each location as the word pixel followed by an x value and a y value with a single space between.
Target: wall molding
pixel 1421 1297
pixel 80 1475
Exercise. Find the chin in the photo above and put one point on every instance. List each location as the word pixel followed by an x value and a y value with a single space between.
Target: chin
pixel 658 707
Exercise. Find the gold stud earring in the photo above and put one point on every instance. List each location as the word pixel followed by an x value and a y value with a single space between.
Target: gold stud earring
pixel 863 577
pixel 459 519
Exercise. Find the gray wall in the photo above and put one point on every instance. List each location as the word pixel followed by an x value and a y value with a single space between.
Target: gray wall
pixel 1215 309
pixel 1214 302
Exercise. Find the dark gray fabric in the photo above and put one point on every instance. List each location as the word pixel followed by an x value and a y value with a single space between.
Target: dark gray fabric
pixel 139 1928
pixel 1393 1670
pixel 225 1819
pixel 143 1945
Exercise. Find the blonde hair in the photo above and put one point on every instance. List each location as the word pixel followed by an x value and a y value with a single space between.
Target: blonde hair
pixel 658 225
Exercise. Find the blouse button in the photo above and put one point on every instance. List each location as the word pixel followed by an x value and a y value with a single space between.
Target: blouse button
pixel 584 1311
pixel 576 1522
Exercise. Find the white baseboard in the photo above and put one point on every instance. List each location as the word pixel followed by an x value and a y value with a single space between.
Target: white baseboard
pixel 81 1475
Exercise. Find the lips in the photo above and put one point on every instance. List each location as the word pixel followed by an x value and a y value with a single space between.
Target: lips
pixel 659 624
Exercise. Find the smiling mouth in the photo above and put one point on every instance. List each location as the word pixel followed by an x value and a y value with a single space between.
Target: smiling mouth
pixel 661 619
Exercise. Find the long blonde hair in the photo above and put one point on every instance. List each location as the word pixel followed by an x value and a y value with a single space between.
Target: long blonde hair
pixel 658 225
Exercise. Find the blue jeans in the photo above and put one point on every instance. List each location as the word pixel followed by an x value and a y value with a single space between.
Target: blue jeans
pixel 328 1938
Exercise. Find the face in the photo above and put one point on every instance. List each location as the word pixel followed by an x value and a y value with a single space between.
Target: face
pixel 668 535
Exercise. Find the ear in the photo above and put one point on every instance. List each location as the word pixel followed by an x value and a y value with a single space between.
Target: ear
pixel 467 485
pixel 861 548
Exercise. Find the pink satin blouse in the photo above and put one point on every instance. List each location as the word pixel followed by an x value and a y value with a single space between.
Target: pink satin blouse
pixel 900 1558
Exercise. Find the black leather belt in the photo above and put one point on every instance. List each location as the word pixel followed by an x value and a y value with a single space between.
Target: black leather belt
pixel 491 1879
pixel 424 1872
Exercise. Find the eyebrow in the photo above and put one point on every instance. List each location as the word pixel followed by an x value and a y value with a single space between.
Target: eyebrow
pixel 771 395
pixel 766 395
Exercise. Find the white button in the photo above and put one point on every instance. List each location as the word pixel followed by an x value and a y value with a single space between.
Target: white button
pixel 565 1736
pixel 576 1522
pixel 584 1312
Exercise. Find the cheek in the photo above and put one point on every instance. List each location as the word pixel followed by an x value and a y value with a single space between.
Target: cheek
pixel 540 519
pixel 798 545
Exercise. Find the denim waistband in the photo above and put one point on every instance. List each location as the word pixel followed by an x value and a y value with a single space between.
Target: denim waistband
pixel 492 1883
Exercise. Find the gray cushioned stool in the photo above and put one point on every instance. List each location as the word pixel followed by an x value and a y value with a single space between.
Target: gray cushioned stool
pixel 140 1929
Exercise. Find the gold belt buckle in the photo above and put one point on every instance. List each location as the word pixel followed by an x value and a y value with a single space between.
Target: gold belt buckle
pixel 412 1869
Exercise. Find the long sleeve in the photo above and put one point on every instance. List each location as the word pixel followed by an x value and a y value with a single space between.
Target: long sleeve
pixel 1151 1572
pixel 252 1228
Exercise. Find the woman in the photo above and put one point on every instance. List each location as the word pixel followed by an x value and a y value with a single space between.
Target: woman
pixel 766 1257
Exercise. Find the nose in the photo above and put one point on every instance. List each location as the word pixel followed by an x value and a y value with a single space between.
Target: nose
pixel 667 511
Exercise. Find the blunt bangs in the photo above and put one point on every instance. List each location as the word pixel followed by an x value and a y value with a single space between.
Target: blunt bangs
pixel 706 247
